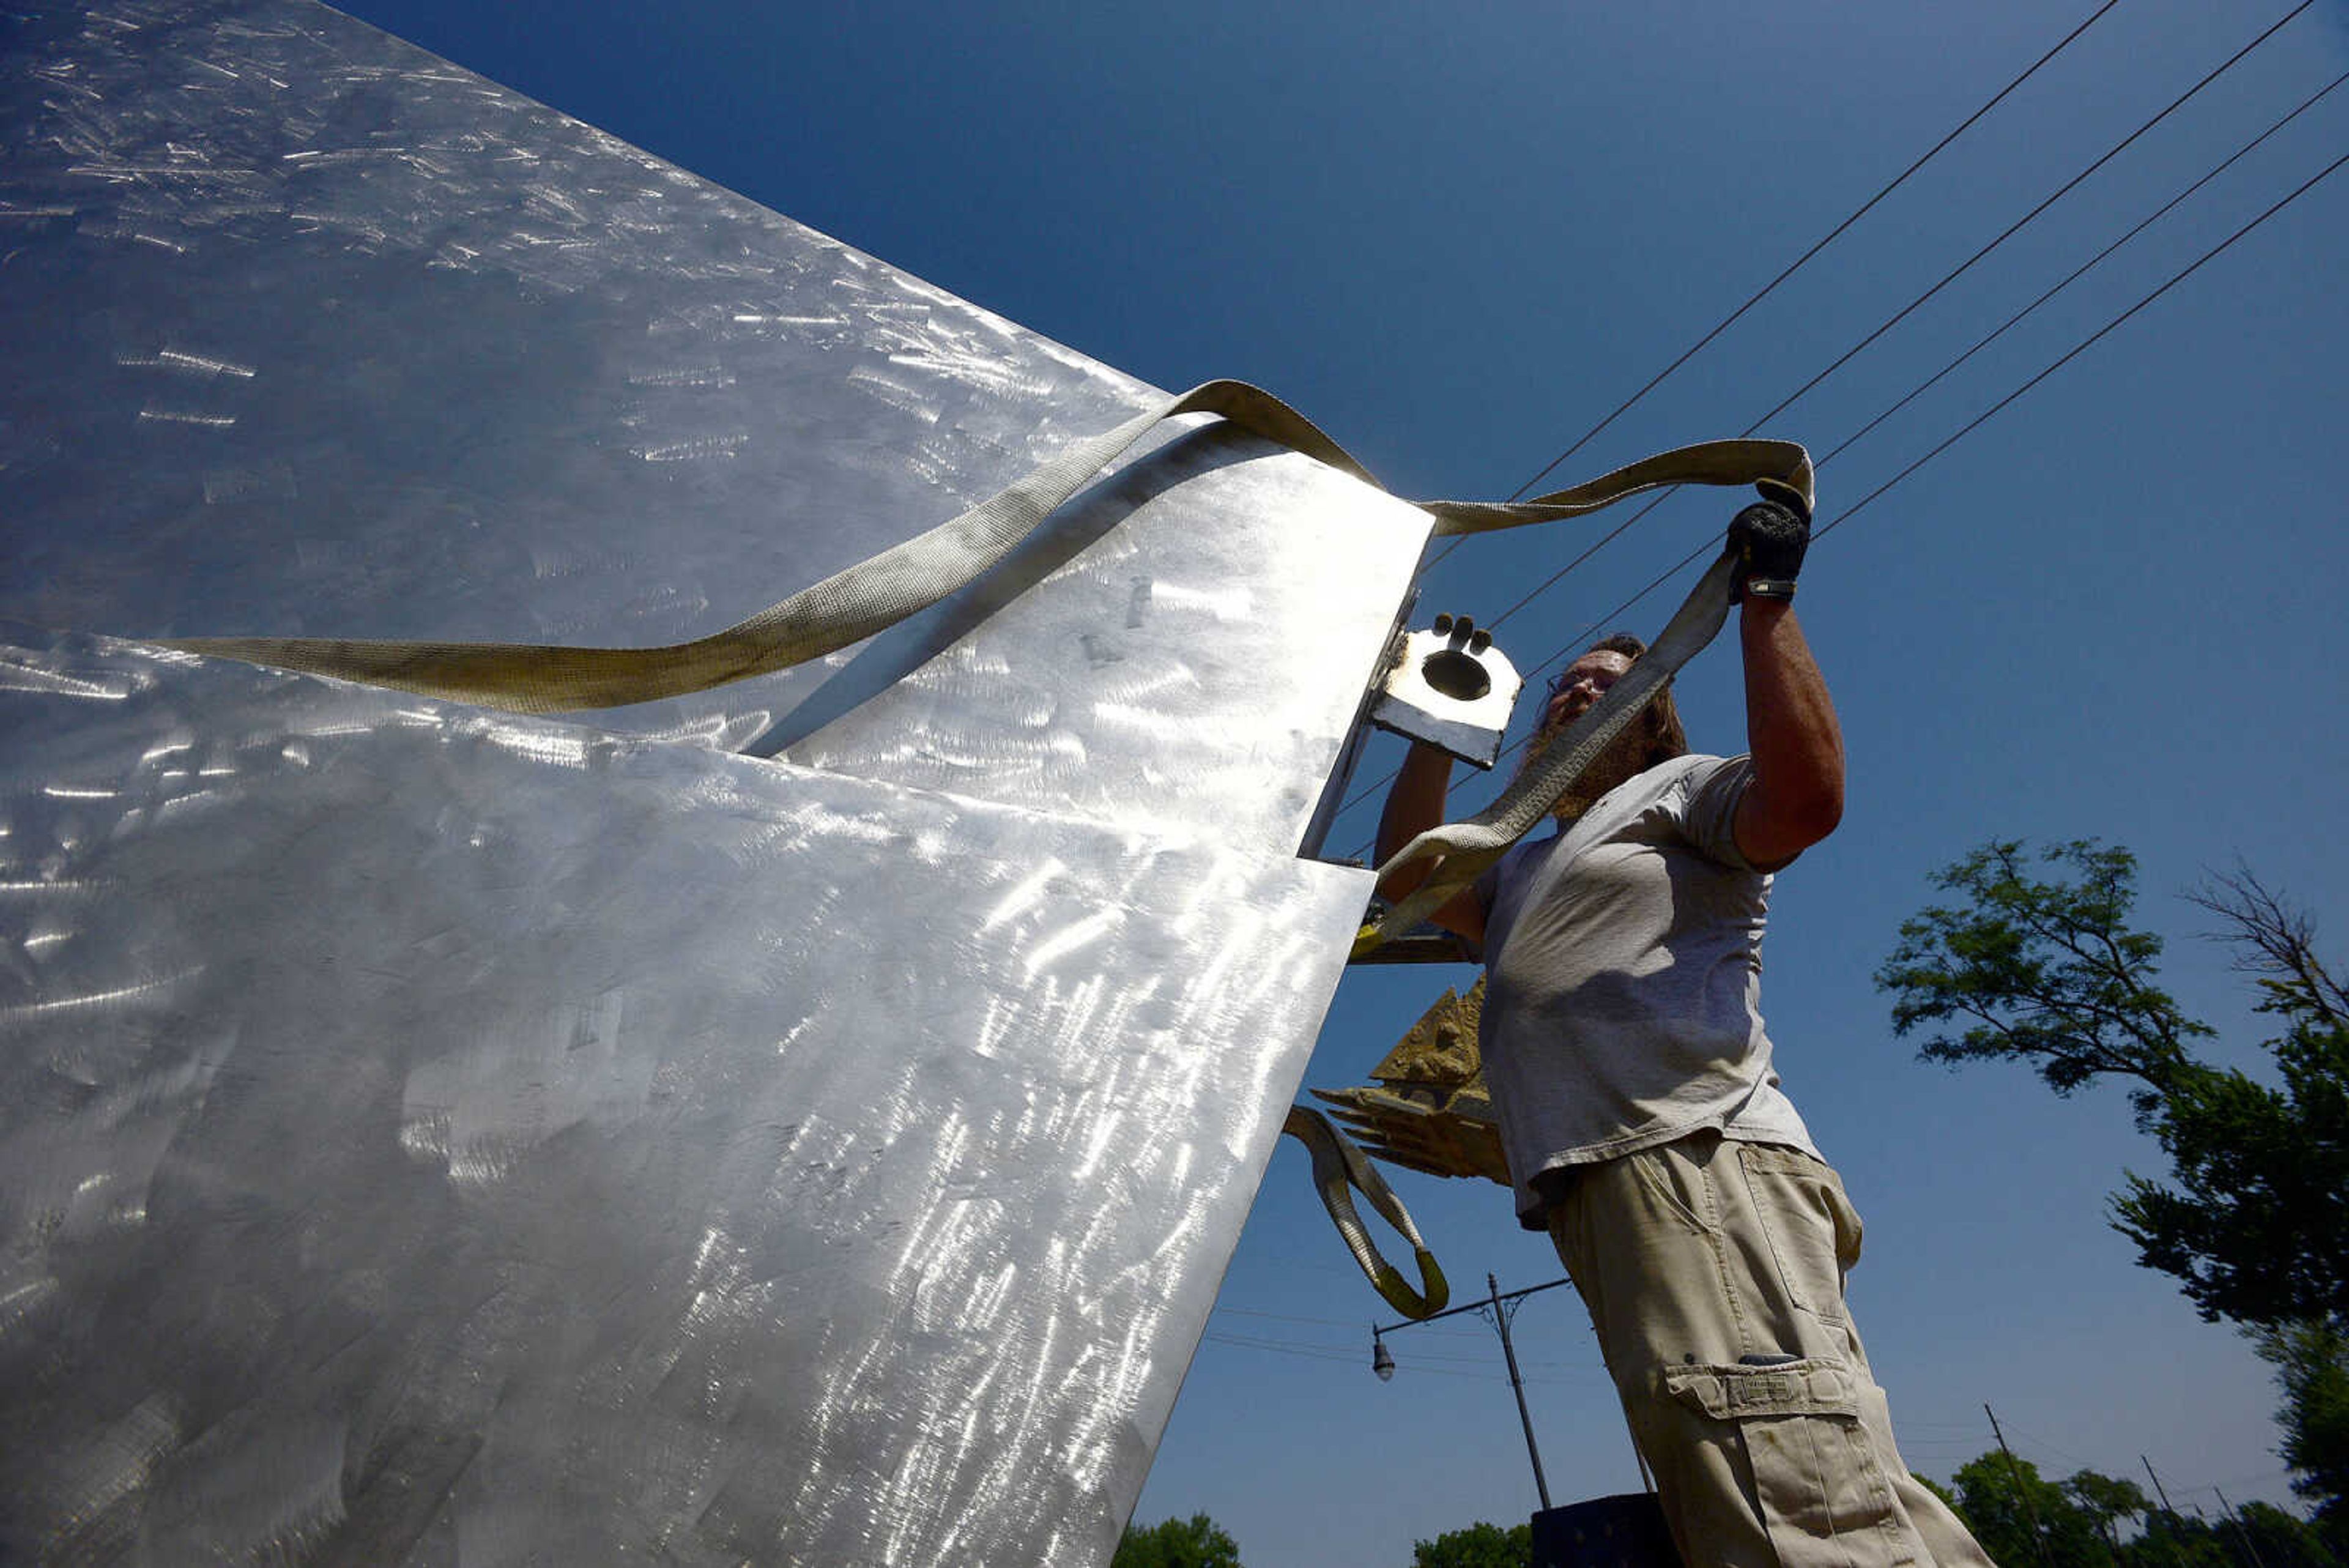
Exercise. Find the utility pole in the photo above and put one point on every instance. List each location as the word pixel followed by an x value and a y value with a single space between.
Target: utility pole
pixel 1501 1316
pixel 2158 1492
pixel 1497 1309
pixel 2155 1479
pixel 2022 1488
pixel 2233 1518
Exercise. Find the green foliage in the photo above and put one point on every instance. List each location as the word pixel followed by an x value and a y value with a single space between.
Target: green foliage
pixel 2258 1226
pixel 2254 1220
pixel 2280 1540
pixel 2091 1521
pixel 2312 1363
pixel 1197 1541
pixel 1480 1545
pixel 2108 1501
pixel 2021 1518
pixel 2040 972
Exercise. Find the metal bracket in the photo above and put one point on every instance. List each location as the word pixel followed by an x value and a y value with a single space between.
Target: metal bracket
pixel 1451 688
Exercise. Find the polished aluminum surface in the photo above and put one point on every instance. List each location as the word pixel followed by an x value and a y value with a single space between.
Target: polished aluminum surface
pixel 431 1136
pixel 312 332
pixel 1172 663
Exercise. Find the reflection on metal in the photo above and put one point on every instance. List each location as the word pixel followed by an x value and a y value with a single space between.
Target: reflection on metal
pixel 428 1136
pixel 433 1130
pixel 1451 688
pixel 1165 664
pixel 1429 1109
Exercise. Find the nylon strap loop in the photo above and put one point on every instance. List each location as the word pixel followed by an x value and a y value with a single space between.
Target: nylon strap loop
pixel 1339 1165
pixel 876 593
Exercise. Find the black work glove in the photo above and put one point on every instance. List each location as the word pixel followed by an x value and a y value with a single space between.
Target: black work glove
pixel 1768 539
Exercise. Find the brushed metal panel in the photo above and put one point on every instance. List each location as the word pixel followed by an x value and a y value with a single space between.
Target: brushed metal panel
pixel 311 332
pixel 429 1136
pixel 1193 647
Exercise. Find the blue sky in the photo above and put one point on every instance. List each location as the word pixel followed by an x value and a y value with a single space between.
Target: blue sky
pixel 1456 239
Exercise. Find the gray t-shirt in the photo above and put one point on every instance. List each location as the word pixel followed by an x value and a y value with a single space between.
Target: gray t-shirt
pixel 1625 956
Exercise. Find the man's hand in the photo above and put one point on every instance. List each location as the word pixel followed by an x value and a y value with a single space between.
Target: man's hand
pixel 1769 539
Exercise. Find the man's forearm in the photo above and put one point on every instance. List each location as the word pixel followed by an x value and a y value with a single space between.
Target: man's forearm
pixel 1796 796
pixel 1414 805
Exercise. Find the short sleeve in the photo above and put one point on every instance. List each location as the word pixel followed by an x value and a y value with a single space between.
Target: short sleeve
pixel 1709 792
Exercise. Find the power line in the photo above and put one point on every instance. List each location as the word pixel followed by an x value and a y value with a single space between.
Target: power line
pixel 1792 267
pixel 1344 1322
pixel 1244 1343
pixel 1974 423
pixel 1907 310
pixel 1346 1352
pixel 2084 268
pixel 1797 264
pixel 2011 229
pixel 2075 352
pixel 1914 392
pixel 2087 343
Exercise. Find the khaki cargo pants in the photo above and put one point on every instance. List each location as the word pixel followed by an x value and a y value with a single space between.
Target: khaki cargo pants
pixel 1713 1271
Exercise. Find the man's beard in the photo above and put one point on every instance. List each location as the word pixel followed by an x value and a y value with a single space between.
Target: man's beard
pixel 1623 760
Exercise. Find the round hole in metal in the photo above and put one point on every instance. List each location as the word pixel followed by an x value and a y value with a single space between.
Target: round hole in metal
pixel 1455 675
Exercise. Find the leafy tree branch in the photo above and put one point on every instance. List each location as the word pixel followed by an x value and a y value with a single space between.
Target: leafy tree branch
pixel 2253 1221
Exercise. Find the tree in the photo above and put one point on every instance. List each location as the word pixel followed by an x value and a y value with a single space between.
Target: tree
pixel 2277 1540
pixel 2107 1500
pixel 1197 1541
pixel 2312 1363
pixel 2261 1232
pixel 1481 1546
pixel 2023 1519
pixel 2254 1220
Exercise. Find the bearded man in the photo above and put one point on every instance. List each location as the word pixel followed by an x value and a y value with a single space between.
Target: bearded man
pixel 1643 1117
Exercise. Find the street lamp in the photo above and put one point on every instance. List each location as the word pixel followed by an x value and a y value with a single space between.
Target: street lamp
pixel 1496 1309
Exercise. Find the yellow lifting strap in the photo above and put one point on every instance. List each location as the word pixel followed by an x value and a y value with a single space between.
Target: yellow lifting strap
pixel 878 592
pixel 1339 1165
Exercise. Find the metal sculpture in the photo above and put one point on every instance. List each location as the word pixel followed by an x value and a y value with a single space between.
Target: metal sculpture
pixel 800 1121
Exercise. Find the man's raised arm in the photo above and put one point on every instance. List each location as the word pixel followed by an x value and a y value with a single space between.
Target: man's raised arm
pixel 1414 805
pixel 1796 796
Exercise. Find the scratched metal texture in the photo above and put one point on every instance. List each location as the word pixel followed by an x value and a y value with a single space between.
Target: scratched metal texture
pixel 429 1136
pixel 312 332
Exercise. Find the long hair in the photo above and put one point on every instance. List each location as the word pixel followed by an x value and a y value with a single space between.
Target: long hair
pixel 1667 737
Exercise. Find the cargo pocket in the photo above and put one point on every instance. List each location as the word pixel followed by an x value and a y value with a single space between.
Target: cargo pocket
pixel 1813 1232
pixel 1824 1497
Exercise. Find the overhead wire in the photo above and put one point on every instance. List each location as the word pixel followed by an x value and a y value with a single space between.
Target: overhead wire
pixel 1341 1323
pixel 1642 511
pixel 1863 501
pixel 1908 309
pixel 1796 264
pixel 2003 328
pixel 2077 273
pixel 1793 266
pixel 1982 418
pixel 1418 1360
pixel 2011 229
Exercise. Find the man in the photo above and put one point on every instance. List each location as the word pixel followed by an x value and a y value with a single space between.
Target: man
pixel 1644 1126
